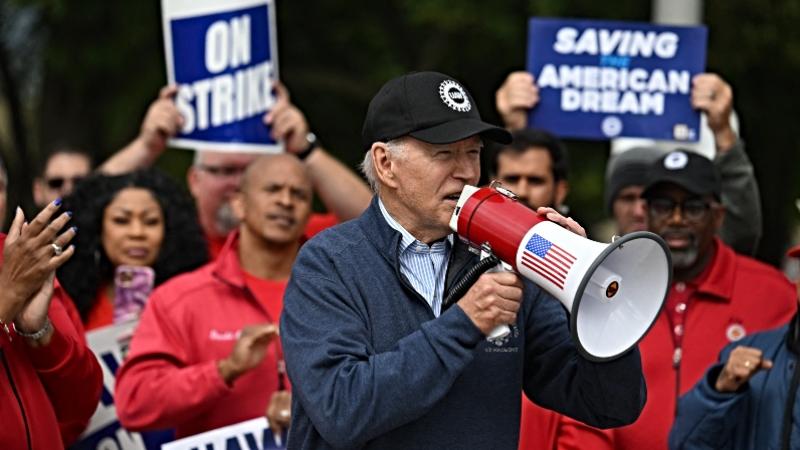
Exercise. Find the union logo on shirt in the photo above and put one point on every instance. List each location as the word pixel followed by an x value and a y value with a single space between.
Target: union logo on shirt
pixel 735 331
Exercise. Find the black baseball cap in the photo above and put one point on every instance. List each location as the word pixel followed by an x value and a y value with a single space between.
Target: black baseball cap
pixel 629 168
pixel 429 106
pixel 689 170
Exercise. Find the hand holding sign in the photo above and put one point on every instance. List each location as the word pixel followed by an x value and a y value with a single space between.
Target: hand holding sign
pixel 515 98
pixel 279 412
pixel 712 95
pixel 162 121
pixel 223 58
pixel 288 123
pixel 248 352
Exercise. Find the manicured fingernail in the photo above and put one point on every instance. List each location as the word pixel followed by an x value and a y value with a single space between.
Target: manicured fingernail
pixel 69 213
pixel 57 201
pixel 74 229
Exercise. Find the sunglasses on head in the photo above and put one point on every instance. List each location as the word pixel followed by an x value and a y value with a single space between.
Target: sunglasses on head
pixel 58 182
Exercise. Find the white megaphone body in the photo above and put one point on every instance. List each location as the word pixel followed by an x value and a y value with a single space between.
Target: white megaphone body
pixel 613 292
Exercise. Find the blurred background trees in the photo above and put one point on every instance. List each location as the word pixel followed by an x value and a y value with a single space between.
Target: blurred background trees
pixel 83 73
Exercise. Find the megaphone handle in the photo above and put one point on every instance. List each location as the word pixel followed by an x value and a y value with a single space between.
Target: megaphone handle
pixel 500 331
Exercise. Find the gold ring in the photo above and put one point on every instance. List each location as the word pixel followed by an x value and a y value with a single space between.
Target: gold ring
pixel 57 249
pixel 285 413
pixel 747 364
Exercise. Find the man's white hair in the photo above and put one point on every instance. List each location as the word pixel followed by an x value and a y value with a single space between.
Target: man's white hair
pixel 396 148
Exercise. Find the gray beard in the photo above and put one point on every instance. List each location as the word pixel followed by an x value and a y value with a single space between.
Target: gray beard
pixel 226 221
pixel 684 259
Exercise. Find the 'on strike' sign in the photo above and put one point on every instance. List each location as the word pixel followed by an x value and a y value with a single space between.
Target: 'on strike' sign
pixel 223 56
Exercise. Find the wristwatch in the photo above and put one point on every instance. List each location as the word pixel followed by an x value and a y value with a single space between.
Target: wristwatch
pixel 313 143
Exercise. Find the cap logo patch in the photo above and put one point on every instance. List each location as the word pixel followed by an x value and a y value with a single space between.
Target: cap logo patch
pixel 454 96
pixel 676 161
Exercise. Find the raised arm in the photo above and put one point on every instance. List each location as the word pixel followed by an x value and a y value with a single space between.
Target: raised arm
pixel 742 226
pixel 517 95
pixel 341 190
pixel 161 122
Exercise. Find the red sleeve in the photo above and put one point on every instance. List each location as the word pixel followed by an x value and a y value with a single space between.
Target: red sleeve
pixel 541 428
pixel 157 368
pixel 575 435
pixel 319 222
pixel 68 370
pixel 538 427
pixel 72 311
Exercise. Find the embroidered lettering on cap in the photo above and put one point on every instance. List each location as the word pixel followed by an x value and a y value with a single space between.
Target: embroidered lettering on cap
pixel 454 96
pixel 676 161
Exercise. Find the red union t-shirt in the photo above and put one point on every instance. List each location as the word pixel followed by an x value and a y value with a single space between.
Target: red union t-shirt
pixel 269 293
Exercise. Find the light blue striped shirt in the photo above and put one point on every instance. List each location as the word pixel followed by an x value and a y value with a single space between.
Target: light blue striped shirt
pixel 424 266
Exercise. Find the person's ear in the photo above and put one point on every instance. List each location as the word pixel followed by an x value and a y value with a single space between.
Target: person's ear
pixel 561 191
pixel 191 181
pixel 237 205
pixel 718 216
pixel 38 191
pixel 384 164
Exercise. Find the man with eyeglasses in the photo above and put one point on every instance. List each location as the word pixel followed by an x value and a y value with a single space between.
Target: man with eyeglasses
pixel 214 176
pixel 717 296
pixel 625 172
pixel 62 170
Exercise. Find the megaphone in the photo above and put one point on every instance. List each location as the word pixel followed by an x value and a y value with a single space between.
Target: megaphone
pixel 613 292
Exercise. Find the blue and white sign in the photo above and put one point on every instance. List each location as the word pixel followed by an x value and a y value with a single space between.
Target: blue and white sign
pixel 604 79
pixel 104 431
pixel 253 434
pixel 223 56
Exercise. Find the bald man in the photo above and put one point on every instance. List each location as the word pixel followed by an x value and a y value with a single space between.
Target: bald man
pixel 205 346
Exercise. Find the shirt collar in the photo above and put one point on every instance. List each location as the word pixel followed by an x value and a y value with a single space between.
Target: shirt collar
pixel 407 240
pixel 717 279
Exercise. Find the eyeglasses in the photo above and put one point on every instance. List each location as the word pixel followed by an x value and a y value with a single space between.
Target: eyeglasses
pixel 58 182
pixel 222 171
pixel 693 210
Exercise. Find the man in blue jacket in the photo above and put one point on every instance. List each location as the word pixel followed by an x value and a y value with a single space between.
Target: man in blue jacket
pixel 748 400
pixel 375 359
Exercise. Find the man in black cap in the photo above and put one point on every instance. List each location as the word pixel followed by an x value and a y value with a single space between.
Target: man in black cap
pixel 375 358
pixel 717 296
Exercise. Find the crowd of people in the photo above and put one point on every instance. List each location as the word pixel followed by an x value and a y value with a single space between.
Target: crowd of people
pixel 337 326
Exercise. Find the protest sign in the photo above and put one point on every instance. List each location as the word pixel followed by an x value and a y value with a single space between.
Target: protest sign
pixel 604 79
pixel 223 56
pixel 104 432
pixel 249 435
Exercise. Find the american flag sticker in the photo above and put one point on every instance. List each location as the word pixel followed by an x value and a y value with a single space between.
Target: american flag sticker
pixel 548 260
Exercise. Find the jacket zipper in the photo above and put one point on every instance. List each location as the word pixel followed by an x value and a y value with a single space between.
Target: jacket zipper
pixel 19 399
